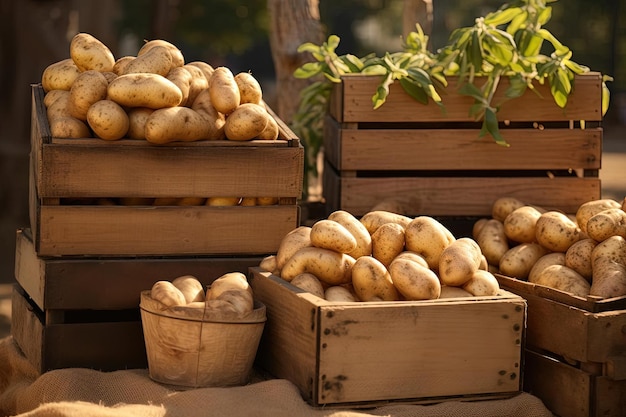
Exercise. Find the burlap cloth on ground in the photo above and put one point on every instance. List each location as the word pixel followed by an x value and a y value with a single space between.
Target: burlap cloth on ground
pixel 86 392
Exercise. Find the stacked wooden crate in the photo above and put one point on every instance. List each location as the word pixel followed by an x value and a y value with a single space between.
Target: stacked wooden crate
pixel 81 265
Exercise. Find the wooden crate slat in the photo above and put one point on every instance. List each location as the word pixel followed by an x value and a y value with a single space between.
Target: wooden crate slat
pixel 585 103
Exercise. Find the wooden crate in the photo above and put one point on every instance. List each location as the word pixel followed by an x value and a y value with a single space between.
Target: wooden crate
pixel 363 354
pixel 75 311
pixel 64 171
pixel 579 363
pixel 434 162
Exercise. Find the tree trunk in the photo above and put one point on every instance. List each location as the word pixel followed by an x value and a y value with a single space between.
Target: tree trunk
pixel 417 11
pixel 292 23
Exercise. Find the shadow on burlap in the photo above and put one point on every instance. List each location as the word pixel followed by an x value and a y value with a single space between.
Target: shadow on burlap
pixel 86 393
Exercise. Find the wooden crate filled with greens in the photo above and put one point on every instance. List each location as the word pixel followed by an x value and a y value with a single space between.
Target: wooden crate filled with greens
pixel 446 133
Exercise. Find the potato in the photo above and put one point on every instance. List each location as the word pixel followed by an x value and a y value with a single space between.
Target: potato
pixel 492 241
pixel 477 227
pixel 237 302
pixel 372 220
pixel 388 242
pixel 412 256
pixel 331 267
pixel 137 118
pixel 53 95
pixel 59 75
pixel 453 292
pixel 108 120
pixel 248 201
pixel 518 261
pixel 458 262
pixel 176 56
pixel 213 119
pixel 338 293
pixel 613 248
pixel 330 234
pixel 182 78
pixel 269 264
pixel 119 67
pixel 191 288
pixel 520 224
pixel 428 237
pixel 60 107
pixel 206 68
pixel 230 281
pixel 167 294
pixel 88 88
pixel 590 208
pixel 482 283
pixel 271 131
pixel 109 75
pixel 246 122
pixel 371 280
pixel 309 283
pixel 222 201
pixel 607 223
pixel 552 258
pixel 88 53
pixel 69 127
pixel 293 241
pixel 578 257
pixel 249 88
pixel 144 90
pixel 609 279
pixel 414 280
pixel 198 84
pixel 157 60
pixel 225 93
pixel 357 229
pixel 267 201
pixel 190 201
pixel 556 232
pixel 565 279
pixel 504 206
pixel 175 124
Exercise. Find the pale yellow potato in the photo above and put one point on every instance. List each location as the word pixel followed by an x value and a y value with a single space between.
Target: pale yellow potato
pixel 519 260
pixel 230 281
pixel 144 90
pixel 609 279
pixel 137 118
pixel 240 303
pixel 60 107
pixel 245 122
pixel 271 131
pixel 357 229
pixel 182 78
pixel 453 292
pixel 191 287
pixel 428 237
pixel 371 280
pixel 222 201
pixel 388 241
pixel 330 267
pixel 54 95
pixel 225 93
pixel 156 60
pixel 482 283
pixel 206 68
pixel 330 234
pixel 108 120
pixel 175 124
pixel 249 88
pixel 578 257
pixel 248 201
pixel 504 206
pixel 191 201
pixel 520 224
pixel 414 280
pixel 119 68
pixel 88 88
pixel 613 248
pixel 266 201
pixel 556 232
pixel 372 220
pixel 565 279
pixel 59 75
pixel 458 261
pixel 269 264
pixel 292 242
pixel 109 75
pixel 69 127
pixel 167 294
pixel 590 208
pixel 552 258
pixel 176 56
pixel 607 223
pixel 198 84
pixel 89 53
pixel 309 283
pixel 412 256
pixel 477 227
pixel 340 294
pixel 213 119
pixel 492 241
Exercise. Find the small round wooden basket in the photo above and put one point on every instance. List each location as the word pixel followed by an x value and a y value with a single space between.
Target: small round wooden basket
pixel 192 348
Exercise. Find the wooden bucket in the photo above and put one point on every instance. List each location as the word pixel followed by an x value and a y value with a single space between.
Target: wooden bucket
pixel 187 349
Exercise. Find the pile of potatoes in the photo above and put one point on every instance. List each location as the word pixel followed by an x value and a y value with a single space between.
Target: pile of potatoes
pixel 583 253
pixel 229 294
pixel 153 96
pixel 383 256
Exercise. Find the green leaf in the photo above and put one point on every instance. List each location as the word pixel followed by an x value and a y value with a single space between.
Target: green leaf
pixel 332 78
pixel 353 63
pixel 606 94
pixel 518 22
pixel 414 90
pixel 517 87
pixel 471 90
pixel 502 16
pixel 558 46
pixel 490 124
pixel 576 68
pixel 382 92
pixel 309 47
pixel 475 52
pixel 308 70
pixel 544 16
pixel 333 42
pixel 376 69
pixel 533 44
